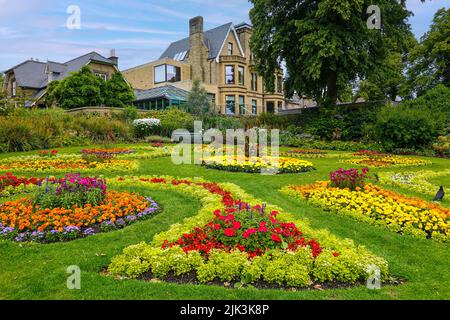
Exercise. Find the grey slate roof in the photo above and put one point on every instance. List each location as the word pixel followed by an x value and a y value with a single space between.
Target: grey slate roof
pixel 32 74
pixel 214 39
pixel 168 92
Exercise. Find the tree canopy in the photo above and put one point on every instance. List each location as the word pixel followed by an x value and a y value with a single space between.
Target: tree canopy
pixel 430 59
pixel 325 44
pixel 84 88
pixel 198 101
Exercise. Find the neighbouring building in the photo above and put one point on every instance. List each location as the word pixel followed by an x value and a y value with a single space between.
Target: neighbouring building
pixel 221 59
pixel 29 80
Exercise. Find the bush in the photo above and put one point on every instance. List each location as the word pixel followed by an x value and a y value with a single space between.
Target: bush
pixel 25 130
pixel 405 127
pixel 146 127
pixel 172 120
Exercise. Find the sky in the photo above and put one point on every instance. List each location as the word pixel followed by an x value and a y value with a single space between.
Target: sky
pixel 139 30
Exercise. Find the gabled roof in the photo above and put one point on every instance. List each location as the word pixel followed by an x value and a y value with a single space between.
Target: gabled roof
pixel 33 74
pixel 214 40
pixel 168 92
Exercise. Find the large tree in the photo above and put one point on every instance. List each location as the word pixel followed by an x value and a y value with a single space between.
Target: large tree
pixel 80 89
pixel 325 44
pixel 198 101
pixel 118 93
pixel 430 59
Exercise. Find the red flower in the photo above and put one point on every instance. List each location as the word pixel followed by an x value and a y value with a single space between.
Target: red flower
pixel 276 238
pixel 217 213
pixel 336 254
pixel 262 227
pixel 236 225
pixel 247 233
pixel 229 232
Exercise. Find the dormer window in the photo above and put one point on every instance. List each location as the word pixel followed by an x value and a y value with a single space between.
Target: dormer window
pixel 230 48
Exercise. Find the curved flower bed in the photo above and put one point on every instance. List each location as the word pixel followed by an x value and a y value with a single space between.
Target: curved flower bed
pixel 374 159
pixel 65 164
pixel 374 205
pixel 236 164
pixel 415 181
pixel 233 240
pixel 71 208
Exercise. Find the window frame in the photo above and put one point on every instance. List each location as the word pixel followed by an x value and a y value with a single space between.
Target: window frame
pixel 233 68
pixel 241 105
pixel 230 48
pixel 166 79
pixel 227 104
pixel 279 84
pixel 241 75
pixel 254 106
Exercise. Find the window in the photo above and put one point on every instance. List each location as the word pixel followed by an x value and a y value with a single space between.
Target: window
pixel 173 73
pixel 167 73
pixel 229 74
pixel 230 49
pixel 241 105
pixel 230 104
pixel 241 75
pixel 280 84
pixel 102 75
pixel 280 106
pixel 13 88
pixel 270 106
pixel 254 107
pixel 254 82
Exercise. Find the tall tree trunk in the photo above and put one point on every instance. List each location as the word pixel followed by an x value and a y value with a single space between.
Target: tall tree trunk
pixel 332 94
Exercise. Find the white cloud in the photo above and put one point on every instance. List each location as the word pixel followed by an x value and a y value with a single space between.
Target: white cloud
pixel 120 28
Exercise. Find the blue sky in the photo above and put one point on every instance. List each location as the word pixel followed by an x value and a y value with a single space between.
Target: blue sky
pixel 139 30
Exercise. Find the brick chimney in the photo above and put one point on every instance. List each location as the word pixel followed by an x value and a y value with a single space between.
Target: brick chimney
pixel 198 53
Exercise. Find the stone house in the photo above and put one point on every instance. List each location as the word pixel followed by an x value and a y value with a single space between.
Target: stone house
pixel 221 59
pixel 29 79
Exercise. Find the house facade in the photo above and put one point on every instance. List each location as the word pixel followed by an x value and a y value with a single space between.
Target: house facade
pixel 222 60
pixel 29 80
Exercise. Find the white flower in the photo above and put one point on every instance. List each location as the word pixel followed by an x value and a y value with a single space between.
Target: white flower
pixel 149 122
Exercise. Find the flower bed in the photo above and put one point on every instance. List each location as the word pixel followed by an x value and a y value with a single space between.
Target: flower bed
pixel 64 164
pixel 415 181
pixel 374 205
pixel 305 153
pixel 70 208
pixel 11 185
pixel 232 239
pixel 236 164
pixel 375 159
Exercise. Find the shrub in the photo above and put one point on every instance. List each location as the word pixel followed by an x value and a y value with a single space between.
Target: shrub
pixel 172 120
pixel 146 127
pixel 404 127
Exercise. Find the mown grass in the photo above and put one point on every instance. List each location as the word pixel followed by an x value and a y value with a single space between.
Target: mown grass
pixel 35 271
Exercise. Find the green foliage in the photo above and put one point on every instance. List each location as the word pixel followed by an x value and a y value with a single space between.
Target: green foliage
pixel 198 102
pixel 404 127
pixel 81 89
pixel 325 44
pixel 117 92
pixel 128 114
pixel 436 100
pixel 172 120
pixel 430 59
pixel 25 130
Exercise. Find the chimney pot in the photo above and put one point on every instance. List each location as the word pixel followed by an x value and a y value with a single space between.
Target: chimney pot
pixel 196 25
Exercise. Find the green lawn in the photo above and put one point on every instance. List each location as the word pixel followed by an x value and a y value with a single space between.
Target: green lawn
pixel 36 271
